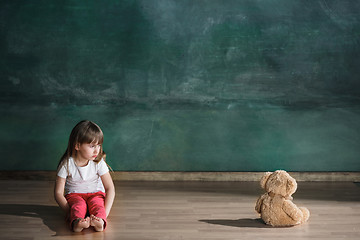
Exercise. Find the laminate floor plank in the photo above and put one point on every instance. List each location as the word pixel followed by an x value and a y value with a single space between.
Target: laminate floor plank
pixel 182 211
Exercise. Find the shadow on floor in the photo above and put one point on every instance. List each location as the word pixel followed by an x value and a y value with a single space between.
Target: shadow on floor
pixel 241 223
pixel 51 216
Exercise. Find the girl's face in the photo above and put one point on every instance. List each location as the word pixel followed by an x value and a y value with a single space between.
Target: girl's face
pixel 87 151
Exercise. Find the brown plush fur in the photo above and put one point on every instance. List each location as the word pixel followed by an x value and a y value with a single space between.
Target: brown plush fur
pixel 275 206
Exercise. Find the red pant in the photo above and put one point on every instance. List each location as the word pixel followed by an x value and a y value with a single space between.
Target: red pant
pixel 83 203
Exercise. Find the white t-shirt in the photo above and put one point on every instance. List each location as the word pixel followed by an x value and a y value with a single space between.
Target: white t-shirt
pixel 83 179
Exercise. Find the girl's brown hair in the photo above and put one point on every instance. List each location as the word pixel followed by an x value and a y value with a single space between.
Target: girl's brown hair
pixel 84 132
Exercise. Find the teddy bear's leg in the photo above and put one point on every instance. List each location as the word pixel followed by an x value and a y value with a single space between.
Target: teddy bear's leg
pixel 306 214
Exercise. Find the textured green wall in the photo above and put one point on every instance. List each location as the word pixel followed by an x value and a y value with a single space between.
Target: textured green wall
pixel 183 85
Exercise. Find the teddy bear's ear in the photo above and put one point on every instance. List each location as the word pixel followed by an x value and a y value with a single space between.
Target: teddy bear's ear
pixel 264 179
pixel 291 186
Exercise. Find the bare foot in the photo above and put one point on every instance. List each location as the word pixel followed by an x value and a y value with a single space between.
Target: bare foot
pixel 97 223
pixel 81 223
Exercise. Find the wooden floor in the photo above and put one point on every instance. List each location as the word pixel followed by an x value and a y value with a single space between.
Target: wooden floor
pixel 181 211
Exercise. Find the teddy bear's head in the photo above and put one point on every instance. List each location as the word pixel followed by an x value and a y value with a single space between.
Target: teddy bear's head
pixel 279 182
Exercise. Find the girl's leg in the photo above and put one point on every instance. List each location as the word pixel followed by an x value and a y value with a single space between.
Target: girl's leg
pixel 78 210
pixel 96 204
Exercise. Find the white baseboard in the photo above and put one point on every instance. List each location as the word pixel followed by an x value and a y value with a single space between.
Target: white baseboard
pixel 191 176
pixel 231 176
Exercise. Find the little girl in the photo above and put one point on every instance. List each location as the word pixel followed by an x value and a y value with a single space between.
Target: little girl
pixel 84 175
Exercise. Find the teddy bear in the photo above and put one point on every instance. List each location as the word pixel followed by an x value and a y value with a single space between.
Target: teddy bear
pixel 275 206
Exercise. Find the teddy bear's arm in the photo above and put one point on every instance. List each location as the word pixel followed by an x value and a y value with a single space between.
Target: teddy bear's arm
pixel 292 210
pixel 259 203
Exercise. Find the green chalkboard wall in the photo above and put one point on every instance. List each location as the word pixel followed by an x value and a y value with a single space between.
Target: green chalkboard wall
pixel 183 85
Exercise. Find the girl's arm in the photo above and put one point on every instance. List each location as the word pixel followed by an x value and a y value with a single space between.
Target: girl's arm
pixel 59 194
pixel 109 190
